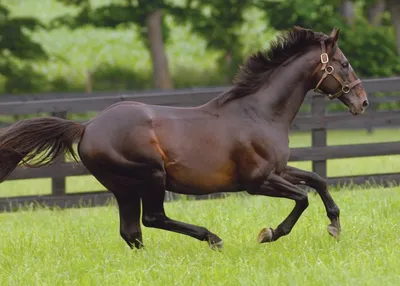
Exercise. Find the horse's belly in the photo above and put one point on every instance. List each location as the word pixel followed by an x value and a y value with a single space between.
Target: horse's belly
pixel 197 181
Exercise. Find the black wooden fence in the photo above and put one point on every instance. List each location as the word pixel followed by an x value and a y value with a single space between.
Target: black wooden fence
pixel 318 121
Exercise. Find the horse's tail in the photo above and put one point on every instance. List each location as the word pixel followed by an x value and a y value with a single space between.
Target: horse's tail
pixel 42 139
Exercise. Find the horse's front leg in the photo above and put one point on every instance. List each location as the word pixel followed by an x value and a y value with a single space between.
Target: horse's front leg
pixel 276 186
pixel 300 177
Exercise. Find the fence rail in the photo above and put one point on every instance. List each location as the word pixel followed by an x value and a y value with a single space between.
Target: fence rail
pixel 318 121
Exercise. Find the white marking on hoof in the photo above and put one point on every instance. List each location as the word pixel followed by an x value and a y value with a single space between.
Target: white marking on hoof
pixel 302 182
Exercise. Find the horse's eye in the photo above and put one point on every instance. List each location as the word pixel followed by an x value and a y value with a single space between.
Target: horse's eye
pixel 345 65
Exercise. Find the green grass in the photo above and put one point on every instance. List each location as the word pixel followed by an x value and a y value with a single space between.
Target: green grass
pixel 83 247
pixel 337 167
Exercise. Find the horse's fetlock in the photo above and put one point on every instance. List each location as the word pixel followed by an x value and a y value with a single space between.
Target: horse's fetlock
pixel 333 212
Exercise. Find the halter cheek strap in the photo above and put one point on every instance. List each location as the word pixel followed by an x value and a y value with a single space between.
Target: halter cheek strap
pixel 328 70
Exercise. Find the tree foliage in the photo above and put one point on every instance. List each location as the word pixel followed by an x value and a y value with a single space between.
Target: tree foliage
pixel 148 15
pixel 112 15
pixel 215 20
pixel 18 52
pixel 371 49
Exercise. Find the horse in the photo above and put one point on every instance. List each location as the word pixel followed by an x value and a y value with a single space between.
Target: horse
pixel 237 141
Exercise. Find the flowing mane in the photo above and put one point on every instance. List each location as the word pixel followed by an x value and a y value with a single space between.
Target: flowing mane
pixel 261 65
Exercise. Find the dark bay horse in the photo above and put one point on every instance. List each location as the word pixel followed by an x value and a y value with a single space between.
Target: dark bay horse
pixel 237 141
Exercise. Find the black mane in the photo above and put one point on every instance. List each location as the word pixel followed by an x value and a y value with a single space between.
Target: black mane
pixel 260 65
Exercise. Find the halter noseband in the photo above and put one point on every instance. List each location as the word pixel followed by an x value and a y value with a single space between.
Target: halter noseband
pixel 328 70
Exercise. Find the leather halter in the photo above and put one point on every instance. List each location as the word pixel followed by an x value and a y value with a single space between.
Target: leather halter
pixel 328 70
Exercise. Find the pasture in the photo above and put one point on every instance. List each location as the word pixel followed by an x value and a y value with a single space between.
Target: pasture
pixel 82 246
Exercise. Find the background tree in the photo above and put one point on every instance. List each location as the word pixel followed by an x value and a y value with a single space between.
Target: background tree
pixel 147 14
pixel 346 10
pixel 386 12
pixel 368 37
pixel 18 53
pixel 215 20
pixel 371 49
pixel 374 10
pixel 394 8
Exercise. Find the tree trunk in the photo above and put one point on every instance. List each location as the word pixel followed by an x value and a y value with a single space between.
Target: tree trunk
pixel 89 82
pixel 160 63
pixel 375 12
pixel 347 11
pixel 394 8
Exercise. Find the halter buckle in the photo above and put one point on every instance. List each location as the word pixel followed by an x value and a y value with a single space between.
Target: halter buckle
pixel 324 58
pixel 346 88
pixel 329 69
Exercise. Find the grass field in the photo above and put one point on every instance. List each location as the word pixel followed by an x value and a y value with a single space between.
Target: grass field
pixel 83 247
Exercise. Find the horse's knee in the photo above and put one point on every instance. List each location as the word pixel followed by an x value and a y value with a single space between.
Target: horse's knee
pixel 317 182
pixel 149 221
pixel 302 200
pixel 158 178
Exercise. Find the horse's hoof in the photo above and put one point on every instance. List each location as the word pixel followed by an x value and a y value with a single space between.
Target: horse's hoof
pixel 334 231
pixel 217 245
pixel 266 235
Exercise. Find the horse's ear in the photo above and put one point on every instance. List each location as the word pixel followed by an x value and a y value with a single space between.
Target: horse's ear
pixel 335 35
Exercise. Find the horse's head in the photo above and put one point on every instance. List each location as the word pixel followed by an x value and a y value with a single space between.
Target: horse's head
pixel 336 78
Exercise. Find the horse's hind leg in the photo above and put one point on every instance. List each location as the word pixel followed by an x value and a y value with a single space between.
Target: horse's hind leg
pixel 300 177
pixel 126 192
pixel 154 215
pixel 129 214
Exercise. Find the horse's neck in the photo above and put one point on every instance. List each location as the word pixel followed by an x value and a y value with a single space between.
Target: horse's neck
pixel 281 98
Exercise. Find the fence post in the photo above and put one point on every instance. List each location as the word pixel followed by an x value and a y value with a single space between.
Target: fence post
pixel 58 183
pixel 318 136
pixel 374 105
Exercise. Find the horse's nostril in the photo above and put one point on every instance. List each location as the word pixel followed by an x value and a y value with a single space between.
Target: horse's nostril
pixel 365 103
